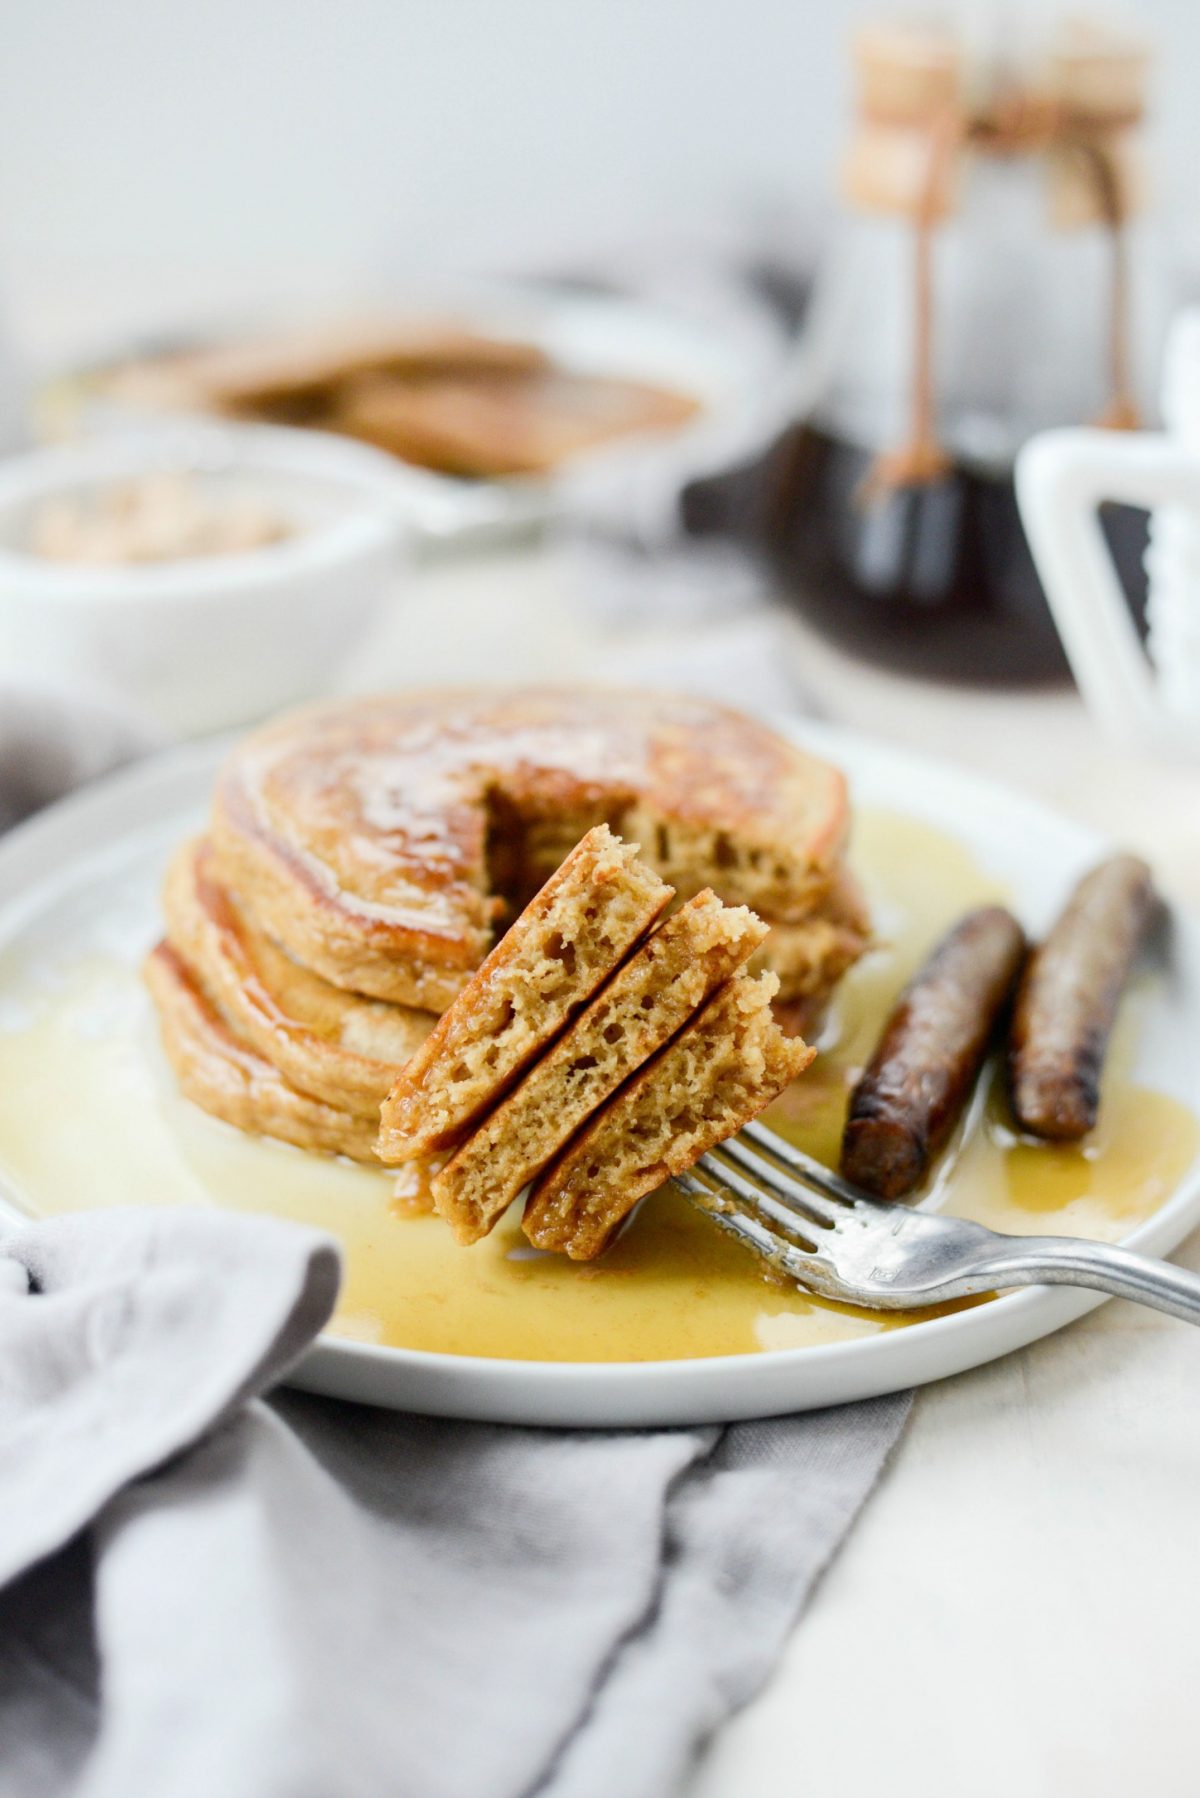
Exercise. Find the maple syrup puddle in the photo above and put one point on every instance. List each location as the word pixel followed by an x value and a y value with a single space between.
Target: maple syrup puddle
pixel 672 1285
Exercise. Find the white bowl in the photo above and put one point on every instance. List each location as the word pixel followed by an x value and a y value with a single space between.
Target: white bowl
pixel 204 643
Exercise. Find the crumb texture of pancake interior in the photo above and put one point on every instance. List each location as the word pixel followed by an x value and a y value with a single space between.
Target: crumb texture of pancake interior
pixel 336 1046
pixel 226 1078
pixel 381 841
pixel 569 938
pixel 720 1072
pixel 639 1009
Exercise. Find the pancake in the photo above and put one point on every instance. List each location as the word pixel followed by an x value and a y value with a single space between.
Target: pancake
pixel 296 374
pixel 569 938
pixel 230 1081
pixel 810 957
pixel 382 840
pixel 642 1006
pixel 331 1044
pixel 497 428
pixel 721 1071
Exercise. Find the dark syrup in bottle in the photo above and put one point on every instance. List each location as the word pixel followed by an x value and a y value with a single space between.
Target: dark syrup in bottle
pixel 933 580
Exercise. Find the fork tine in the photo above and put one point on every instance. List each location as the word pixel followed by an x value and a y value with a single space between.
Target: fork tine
pixel 749 1230
pixel 764 1202
pixel 799 1198
pixel 812 1172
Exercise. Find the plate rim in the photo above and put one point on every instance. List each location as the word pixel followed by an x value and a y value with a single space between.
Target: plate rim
pixel 164 782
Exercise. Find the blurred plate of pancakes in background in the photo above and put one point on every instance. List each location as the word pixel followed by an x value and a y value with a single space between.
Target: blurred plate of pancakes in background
pixel 503 405
pixel 673 1325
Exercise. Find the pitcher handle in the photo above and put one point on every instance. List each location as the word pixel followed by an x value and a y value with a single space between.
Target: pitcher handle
pixel 1062 478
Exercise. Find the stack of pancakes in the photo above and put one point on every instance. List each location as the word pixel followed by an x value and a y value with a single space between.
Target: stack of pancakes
pixel 364 858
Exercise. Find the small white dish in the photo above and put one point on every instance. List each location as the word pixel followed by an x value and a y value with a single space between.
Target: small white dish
pixel 93 864
pixel 202 643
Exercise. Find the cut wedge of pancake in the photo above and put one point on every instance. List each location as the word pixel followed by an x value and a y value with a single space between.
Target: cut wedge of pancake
pixel 381 841
pixel 230 1081
pixel 721 1071
pixel 335 1045
pixel 566 942
pixel 642 1006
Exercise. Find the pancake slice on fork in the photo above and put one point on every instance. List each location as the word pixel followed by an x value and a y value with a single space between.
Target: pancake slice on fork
pixel 640 1008
pixel 717 1074
pixel 559 951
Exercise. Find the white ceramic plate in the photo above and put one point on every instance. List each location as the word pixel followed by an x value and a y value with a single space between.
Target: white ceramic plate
pixel 125 825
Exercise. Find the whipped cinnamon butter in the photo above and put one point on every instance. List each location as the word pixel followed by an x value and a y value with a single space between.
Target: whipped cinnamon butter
pixel 165 517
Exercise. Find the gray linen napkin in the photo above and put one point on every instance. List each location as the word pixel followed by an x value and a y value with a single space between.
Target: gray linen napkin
pixel 314 1598
pixel 53 739
pixel 204 1593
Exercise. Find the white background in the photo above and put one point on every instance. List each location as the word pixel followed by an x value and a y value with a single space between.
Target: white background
pixel 188 158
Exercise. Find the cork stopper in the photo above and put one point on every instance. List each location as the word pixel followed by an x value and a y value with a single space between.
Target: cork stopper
pixel 906 72
pixel 1100 76
pixel 925 95
pixel 909 81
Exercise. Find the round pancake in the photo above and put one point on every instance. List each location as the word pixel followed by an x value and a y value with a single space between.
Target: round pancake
pixel 528 426
pixel 299 373
pixel 332 1044
pixel 810 957
pixel 381 840
pixel 227 1079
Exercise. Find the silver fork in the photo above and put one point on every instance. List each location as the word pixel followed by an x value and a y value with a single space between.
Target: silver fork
pixel 835 1240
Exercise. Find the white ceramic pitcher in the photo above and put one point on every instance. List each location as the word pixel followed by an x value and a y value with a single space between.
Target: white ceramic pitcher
pixel 1147 696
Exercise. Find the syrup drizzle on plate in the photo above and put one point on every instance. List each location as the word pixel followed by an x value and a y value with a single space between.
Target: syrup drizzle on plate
pixel 89 1117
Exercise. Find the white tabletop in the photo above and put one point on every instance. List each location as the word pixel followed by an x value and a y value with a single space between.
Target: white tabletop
pixel 1015 1613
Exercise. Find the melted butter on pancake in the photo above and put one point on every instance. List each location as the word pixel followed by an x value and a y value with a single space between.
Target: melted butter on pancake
pixel 360 834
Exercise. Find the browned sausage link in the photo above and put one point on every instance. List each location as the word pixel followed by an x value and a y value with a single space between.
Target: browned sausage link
pixel 920 1077
pixel 1068 998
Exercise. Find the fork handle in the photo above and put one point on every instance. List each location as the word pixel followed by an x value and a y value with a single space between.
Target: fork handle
pixel 1068 1261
